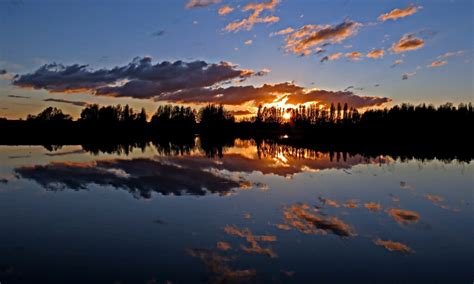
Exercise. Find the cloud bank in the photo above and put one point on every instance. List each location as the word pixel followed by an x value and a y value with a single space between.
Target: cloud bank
pixel 182 82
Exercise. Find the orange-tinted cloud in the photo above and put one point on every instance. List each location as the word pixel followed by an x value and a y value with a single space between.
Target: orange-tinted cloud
pixel 407 43
pixel 375 54
pixel 403 217
pixel 223 246
pixel 394 246
pixel 200 3
pixel 399 13
pixel 351 204
pixel 219 269
pixel 355 55
pixel 437 63
pixel 434 198
pixel 307 37
pixel 254 18
pixel 373 206
pixel 224 10
pixel 283 32
pixel 334 56
pixel 303 218
pixel 252 240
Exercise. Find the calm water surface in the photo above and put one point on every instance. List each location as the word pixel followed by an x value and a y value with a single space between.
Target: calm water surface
pixel 181 214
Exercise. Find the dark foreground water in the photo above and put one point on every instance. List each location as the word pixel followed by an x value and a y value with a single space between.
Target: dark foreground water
pixel 267 214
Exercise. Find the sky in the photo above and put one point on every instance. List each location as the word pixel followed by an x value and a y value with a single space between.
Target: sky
pixel 368 53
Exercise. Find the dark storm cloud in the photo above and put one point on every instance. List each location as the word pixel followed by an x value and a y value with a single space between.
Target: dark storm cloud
pixel 141 177
pixel 76 103
pixel 138 79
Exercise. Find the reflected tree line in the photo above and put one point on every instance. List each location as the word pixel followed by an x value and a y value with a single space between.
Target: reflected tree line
pixel 417 129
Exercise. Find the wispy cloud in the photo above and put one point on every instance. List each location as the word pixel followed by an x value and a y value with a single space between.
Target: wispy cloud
pixel 396 63
pixel 407 75
pixel 307 37
pixel 76 103
pixel 201 3
pixel 254 17
pixel 283 32
pixel 437 63
pixel 399 13
pixel 451 54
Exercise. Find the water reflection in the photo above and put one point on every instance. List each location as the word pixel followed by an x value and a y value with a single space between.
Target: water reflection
pixel 266 212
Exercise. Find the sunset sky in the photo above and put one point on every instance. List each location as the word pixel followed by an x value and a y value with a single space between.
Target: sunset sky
pixel 239 53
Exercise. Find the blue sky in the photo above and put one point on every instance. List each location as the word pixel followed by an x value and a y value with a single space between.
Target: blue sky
pixel 104 34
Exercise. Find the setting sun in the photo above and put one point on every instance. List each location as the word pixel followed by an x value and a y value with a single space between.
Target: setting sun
pixel 287 116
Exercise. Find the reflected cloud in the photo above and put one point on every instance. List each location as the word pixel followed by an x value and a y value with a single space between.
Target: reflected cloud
pixel 223 246
pixel 140 176
pixel 351 204
pixel 304 218
pixel 252 240
pixel 220 271
pixel 403 217
pixel 394 246
pixel 373 206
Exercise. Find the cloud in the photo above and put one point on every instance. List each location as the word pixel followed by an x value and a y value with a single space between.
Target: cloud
pixel 451 54
pixel 355 55
pixel 76 103
pixel 403 217
pixel 248 42
pixel 3 72
pixel 138 79
pixel 351 204
pixel 141 177
pixel 396 62
pixel 254 17
pixel 434 198
pixel 373 206
pixel 437 63
pixel 328 97
pixel 224 10
pixel 394 246
pixel 399 13
pixel 181 82
pixel 329 202
pixel 201 3
pixel 307 37
pixel 407 43
pixel 375 54
pixel 241 112
pixel 334 56
pixel 282 32
pixel 223 246
pixel 407 75
pixel 218 268
pixel 303 218
pixel 18 97
pixel 158 33
pixel 252 240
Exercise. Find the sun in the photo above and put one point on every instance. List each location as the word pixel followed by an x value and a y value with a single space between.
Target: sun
pixel 287 115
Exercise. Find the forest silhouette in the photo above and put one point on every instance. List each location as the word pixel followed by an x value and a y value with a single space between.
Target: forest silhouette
pixel 443 131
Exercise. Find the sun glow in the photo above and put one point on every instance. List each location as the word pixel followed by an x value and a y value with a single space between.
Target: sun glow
pixel 287 115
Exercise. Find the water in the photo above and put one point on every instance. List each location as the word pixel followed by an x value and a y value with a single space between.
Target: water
pixel 198 214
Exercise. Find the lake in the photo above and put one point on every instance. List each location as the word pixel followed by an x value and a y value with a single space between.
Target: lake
pixel 243 212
